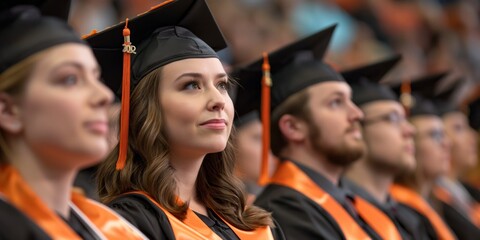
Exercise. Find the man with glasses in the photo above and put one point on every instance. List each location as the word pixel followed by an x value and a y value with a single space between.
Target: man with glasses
pixel 316 135
pixel 388 139
pixel 432 154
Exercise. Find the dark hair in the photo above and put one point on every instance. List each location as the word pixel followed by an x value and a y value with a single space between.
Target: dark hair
pixel 295 105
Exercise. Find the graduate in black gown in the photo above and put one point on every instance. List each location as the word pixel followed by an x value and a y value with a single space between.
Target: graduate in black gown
pixel 53 110
pixel 171 174
pixel 315 133
pixel 414 189
pixel 388 138
pixel 458 205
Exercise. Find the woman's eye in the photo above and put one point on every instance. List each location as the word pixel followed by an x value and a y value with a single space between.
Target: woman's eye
pixel 69 80
pixel 224 85
pixel 336 102
pixel 192 85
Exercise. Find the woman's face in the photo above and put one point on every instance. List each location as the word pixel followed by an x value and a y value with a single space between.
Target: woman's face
pixel 433 147
pixel 62 113
pixel 464 141
pixel 197 109
pixel 248 139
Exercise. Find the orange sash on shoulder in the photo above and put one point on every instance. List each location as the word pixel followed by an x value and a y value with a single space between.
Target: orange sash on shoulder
pixel 194 228
pixel 377 219
pixel 445 196
pixel 104 223
pixel 291 176
pixel 415 201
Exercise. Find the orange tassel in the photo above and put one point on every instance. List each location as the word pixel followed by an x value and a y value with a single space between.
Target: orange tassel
pixel 128 49
pixel 406 97
pixel 265 114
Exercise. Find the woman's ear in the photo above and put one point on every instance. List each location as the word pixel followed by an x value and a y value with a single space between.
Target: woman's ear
pixel 9 114
pixel 293 128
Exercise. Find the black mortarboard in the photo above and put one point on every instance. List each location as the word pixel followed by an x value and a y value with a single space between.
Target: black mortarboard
pixel 247 97
pixel 169 32
pixel 424 94
pixel 445 102
pixel 173 31
pixel 293 68
pixel 365 81
pixel 53 8
pixel 25 30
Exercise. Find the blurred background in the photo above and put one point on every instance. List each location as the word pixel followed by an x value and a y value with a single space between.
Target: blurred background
pixel 431 35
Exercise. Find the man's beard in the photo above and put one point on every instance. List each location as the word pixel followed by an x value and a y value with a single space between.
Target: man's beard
pixel 341 155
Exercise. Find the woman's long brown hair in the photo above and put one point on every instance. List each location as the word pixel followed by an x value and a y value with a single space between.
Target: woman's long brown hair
pixel 148 169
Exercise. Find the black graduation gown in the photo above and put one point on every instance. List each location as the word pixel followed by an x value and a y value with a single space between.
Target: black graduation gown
pixel 408 223
pixel 472 190
pixel 302 218
pixel 459 223
pixel 429 230
pixel 85 180
pixel 153 222
pixel 15 225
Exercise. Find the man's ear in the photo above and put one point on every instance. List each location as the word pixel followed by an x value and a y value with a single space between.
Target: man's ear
pixel 292 128
pixel 9 114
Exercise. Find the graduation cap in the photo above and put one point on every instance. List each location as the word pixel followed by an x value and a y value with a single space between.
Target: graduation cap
pixel 365 81
pixel 247 104
pixel 26 30
pixel 53 8
pixel 445 102
pixel 424 95
pixel 292 68
pixel 169 32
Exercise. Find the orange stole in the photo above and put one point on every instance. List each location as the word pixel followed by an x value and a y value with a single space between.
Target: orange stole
pixel 194 228
pixel 100 219
pixel 415 201
pixel 378 220
pixel 445 196
pixel 291 176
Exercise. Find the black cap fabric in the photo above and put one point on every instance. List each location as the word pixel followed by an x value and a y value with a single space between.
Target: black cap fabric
pixel 445 102
pixel 176 30
pixel 473 113
pixel 53 8
pixel 293 68
pixel 248 96
pixel 424 94
pixel 365 81
pixel 25 31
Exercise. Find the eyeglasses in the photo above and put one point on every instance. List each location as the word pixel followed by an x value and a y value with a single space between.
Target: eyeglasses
pixel 394 118
pixel 437 135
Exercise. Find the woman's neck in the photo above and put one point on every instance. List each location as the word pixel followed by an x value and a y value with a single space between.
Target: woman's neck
pixel 52 184
pixel 186 172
